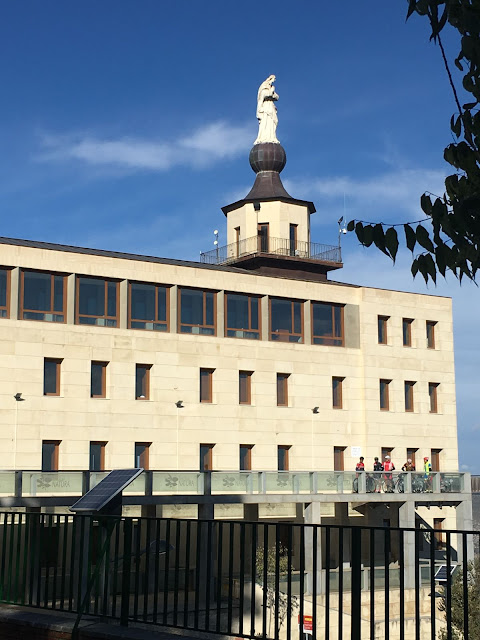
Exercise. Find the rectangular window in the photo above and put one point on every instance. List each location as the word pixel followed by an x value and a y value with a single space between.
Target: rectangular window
pixel 286 320
pixel 409 395
pixel 50 450
pixel 293 239
pixel 142 381
pixel 407 332
pixel 339 458
pixel 245 387
pixel 42 296
pixel 98 380
pixel 386 451
pixel 97 302
pixel 51 376
pixel 430 334
pixel 242 313
pixel 282 389
pixel 283 455
pixel 148 306
pixel 327 324
pixel 246 457
pixel 237 241
pixel 4 292
pixel 435 459
pixel 384 395
pixel 262 230
pixel 432 394
pixel 382 329
pixel 142 455
pixel 197 311
pixel 337 392
pixel 206 457
pixel 206 385
pixel 97 456
pixel 411 455
pixel 438 526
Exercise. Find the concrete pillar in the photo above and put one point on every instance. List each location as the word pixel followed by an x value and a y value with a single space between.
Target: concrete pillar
pixel 221 314
pixel 464 516
pixel 173 319
pixel 313 547
pixel 206 511
pixel 123 305
pixel 307 322
pixel 250 512
pixel 14 292
pixel 265 316
pixel 70 311
pixel 406 519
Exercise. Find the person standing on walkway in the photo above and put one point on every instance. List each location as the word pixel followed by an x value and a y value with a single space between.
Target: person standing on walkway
pixel 377 466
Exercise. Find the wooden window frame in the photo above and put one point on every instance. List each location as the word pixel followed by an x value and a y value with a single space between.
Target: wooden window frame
pixel 181 324
pixel 53 275
pixel 102 444
pixel 339 398
pixel 387 394
pixel 286 448
pixel 237 241
pixel 407 332
pixel 260 238
pixel 387 451
pixel 103 366
pixel 292 249
pixel 210 373
pixel 341 453
pixel 147 368
pixel 435 456
pixel 248 457
pixel 409 399
pixel 248 378
pixel 146 454
pixel 6 307
pixel 433 396
pixel 209 465
pixel 412 454
pixel 382 328
pixel 285 336
pixel 284 377
pixel 166 322
pixel 249 329
pixel 56 453
pixel 105 317
pixel 58 368
pixel 328 341
pixel 430 324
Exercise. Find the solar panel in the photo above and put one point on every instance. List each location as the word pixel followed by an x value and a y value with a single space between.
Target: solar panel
pixel 441 575
pixel 106 490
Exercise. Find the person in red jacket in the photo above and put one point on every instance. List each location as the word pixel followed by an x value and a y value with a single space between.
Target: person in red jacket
pixel 388 477
pixel 360 465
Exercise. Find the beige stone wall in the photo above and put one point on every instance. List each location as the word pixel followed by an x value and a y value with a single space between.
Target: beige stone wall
pixel 175 434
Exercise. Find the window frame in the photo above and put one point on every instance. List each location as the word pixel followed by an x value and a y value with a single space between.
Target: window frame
pixel 249 329
pixel 409 396
pixel 208 455
pixel 435 459
pixel 411 454
pixel 263 241
pixel 382 328
pixel 433 397
pixel 58 367
pixel 286 449
pixel 147 368
pixel 237 241
pixel 248 387
pixel 329 340
pixel 103 365
pixel 292 239
pixel 102 444
pixel 407 331
pixel 165 323
pixel 181 324
pixel 146 454
pixel 6 307
pixel 284 378
pixel 209 378
pixel 56 455
pixel 337 393
pixel 53 275
pixel 284 336
pixel 104 317
pixel 339 455
pixel 430 325
pixel 248 457
pixel 384 406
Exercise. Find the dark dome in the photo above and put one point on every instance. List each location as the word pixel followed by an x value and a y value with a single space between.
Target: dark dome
pixel 267 156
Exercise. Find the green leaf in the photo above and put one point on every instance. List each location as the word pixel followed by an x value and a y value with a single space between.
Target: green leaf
pixel 351 225
pixel 367 235
pixel 410 237
pixel 430 267
pixel 391 242
pixel 426 203
pixel 423 238
pixel 379 238
pixel 414 268
pixel 441 258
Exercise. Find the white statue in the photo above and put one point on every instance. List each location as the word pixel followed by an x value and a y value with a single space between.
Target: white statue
pixel 267 112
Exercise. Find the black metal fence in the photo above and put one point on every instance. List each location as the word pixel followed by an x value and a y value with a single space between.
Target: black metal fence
pixel 246 579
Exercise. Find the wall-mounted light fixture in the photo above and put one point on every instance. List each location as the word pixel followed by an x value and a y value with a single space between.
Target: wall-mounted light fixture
pixel 256 206
pixel 179 404
pixel 315 409
pixel 18 397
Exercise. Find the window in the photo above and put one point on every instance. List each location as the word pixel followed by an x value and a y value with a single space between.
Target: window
pixel 51 376
pixel 97 302
pixel 435 459
pixel 432 394
pixel 337 400
pixel 286 320
pixel 386 451
pixel 246 457
pixel 384 395
pixel 206 457
pixel 262 230
pixel 142 381
pixel 206 380
pixel 282 389
pixel 42 296
pixel 382 329
pixel 242 313
pixel 411 455
pixel 438 526
pixel 142 455
pixel 293 239
pixel 338 458
pixel 245 387
pixel 327 324
pixel 407 332
pixel 237 241
pixel 283 455
pixel 97 456
pixel 98 378
pixel 197 311
pixel 4 292
pixel 430 334
pixel 50 450
pixel 409 395
pixel 148 306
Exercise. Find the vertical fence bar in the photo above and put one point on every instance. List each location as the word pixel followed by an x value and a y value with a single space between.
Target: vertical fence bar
pixel 198 559
pixel 449 587
pixel 18 555
pixel 230 578
pixel 209 587
pixel 136 564
pixel 166 574
pixel 26 558
pixel 241 608
pixel 186 579
pixel 146 577
pixel 219 526
pixel 356 586
pixel 289 580
pixel 41 551
pixel 73 544
pixel 302 580
pixel 109 526
pixel 10 528
pixel 465 583
pixel 56 529
pixel 418 532
pixel 3 595
pixel 401 542
pixel 64 562
pixel 372 583
pixel 157 571
pixel 116 554
pixel 433 607
pixel 316 560
pixel 126 567
pixel 387 583
pixel 327 583
pixel 254 529
pixel 340 583
pixel 277 583
pixel 265 580
pixel 176 572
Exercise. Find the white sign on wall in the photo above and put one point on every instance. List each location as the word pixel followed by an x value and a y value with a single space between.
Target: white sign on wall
pixel 356 452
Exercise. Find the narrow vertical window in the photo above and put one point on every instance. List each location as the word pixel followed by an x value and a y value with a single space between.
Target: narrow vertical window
pixel 386 451
pixel 246 457
pixel 438 527
pixel 384 395
pixel 293 239
pixel 142 455
pixel 339 458
pixel 409 395
pixel 337 392
pixel 382 329
pixel 430 334
pixel 283 454
pixel 142 381
pixel 51 376
pixel 4 292
pixel 435 459
pixel 97 456
pixel 411 455
pixel 50 451
pixel 98 379
pixel 262 237
pixel 407 332
pixel 282 389
pixel 206 457
pixel 432 394
pixel 245 387
pixel 237 241
pixel 206 385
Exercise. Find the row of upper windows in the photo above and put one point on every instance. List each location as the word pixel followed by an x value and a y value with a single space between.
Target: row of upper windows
pixel 407 325
pixel 98 374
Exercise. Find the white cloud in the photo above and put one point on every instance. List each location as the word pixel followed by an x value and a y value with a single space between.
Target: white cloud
pixel 202 147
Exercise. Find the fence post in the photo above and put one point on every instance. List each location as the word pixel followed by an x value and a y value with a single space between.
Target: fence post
pixel 126 567
pixel 356 555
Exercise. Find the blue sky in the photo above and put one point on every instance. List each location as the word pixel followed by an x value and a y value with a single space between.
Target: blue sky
pixel 127 125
